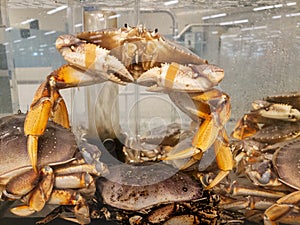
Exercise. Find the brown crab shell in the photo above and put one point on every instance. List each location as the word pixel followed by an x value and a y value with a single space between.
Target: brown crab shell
pixel 139 188
pixel 286 161
pixel 278 132
pixel 289 98
pixel 167 51
pixel 56 146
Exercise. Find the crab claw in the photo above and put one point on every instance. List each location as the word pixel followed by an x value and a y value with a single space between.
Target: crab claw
pixel 191 78
pixel 92 58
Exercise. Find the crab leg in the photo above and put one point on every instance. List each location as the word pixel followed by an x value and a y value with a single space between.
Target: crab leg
pixel 282 207
pixel 71 197
pixel 213 108
pixel 48 103
pixel 191 89
pixel 37 199
pixel 89 64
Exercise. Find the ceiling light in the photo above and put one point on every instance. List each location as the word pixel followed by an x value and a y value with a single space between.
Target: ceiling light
pixel 234 22
pixel 291 3
pixel 253 28
pixel 292 14
pixel 31 37
pixel 8 28
pixel 27 21
pixel 276 17
pixel 113 16
pixel 214 16
pixel 78 25
pixel 50 32
pixel 263 8
pixel 172 2
pixel 57 9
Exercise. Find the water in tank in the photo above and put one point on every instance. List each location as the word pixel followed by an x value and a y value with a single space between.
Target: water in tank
pixel 256 43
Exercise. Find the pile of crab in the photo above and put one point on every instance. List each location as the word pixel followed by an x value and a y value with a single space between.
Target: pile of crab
pixel 161 180
pixel 265 183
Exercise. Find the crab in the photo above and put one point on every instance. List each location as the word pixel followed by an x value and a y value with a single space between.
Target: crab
pixel 135 54
pixel 154 144
pixel 64 176
pixel 265 183
pixel 272 109
pixel 141 194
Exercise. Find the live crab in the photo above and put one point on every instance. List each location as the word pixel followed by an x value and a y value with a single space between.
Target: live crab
pixel 66 174
pixel 135 54
pixel 265 183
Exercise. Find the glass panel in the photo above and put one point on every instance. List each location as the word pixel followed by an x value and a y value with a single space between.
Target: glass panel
pixel 257 43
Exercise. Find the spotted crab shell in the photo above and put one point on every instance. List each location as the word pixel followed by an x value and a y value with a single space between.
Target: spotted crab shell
pixel 138 188
pixel 56 146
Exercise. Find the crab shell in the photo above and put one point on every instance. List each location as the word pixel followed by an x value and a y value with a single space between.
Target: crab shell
pixel 56 146
pixel 156 48
pixel 137 187
pixel 155 193
pixel 286 161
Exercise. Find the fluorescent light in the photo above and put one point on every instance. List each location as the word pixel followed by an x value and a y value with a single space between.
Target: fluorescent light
pixel 253 28
pixel 27 21
pixel 172 2
pixel 78 25
pixel 263 8
pixel 278 6
pixel 240 21
pixel 214 16
pixel 234 22
pixel 292 14
pixel 8 28
pixel 291 3
pixel 113 16
pixel 50 32
pixel 276 17
pixel 32 37
pixel 17 41
pixel 57 9
pixel 273 6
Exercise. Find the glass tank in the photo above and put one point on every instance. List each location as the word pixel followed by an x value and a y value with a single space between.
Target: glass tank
pixel 257 43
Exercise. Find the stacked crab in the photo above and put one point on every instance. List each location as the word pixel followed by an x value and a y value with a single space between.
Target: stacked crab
pixel 126 55
pixel 265 185
pixel 65 173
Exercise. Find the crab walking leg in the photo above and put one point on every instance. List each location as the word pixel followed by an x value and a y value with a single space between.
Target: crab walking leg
pixel 37 199
pixel 72 197
pixel 48 104
pixel 36 120
pixel 213 109
pixel 276 213
pixel 224 158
